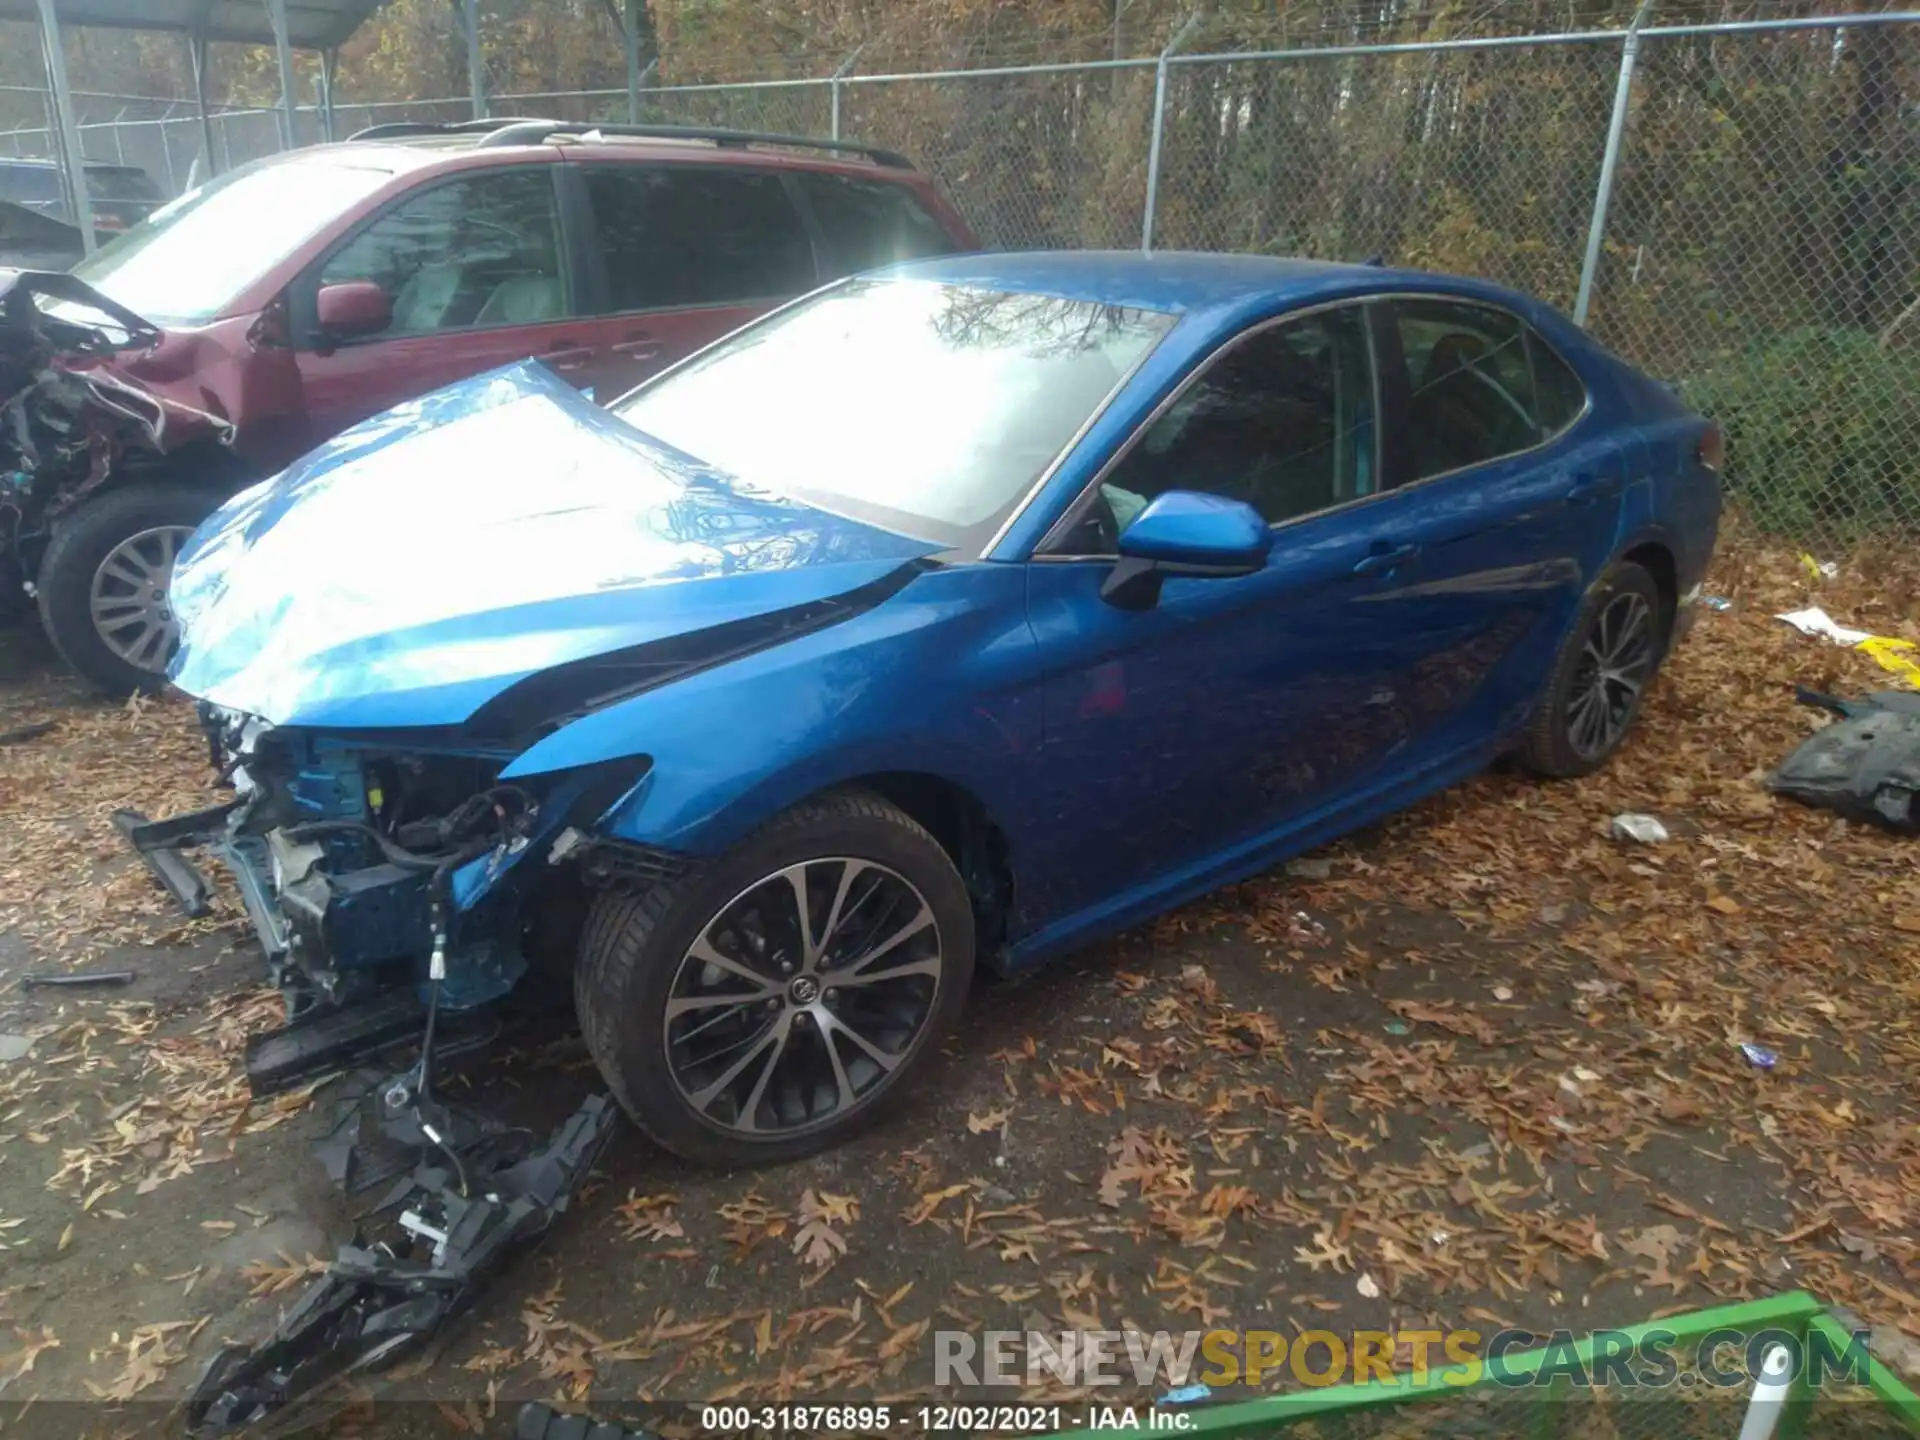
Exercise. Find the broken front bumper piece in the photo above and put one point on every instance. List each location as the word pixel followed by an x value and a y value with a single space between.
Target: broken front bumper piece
pixel 1866 765
pixel 378 1303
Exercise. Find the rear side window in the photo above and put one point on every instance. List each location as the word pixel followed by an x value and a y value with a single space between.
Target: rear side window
pixel 121 182
pixel 1480 385
pixel 676 236
pixel 869 223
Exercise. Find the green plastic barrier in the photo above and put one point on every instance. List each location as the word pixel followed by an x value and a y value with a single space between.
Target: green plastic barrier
pixel 1872 1404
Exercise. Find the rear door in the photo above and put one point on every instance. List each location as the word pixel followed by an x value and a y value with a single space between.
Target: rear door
pixel 477 271
pixel 1512 497
pixel 684 253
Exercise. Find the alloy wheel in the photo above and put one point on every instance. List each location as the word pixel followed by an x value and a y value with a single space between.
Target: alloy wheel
pixel 1615 662
pixel 801 998
pixel 128 599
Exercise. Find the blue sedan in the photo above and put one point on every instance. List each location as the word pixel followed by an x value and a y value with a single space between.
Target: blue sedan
pixel 951 616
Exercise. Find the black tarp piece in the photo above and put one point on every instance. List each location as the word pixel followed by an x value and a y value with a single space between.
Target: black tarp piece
pixel 1865 766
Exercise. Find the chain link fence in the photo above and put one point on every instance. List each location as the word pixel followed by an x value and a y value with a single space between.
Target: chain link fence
pixel 1755 239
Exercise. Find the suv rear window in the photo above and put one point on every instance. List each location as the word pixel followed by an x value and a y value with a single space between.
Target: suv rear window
pixel 29 184
pixel 868 223
pixel 676 236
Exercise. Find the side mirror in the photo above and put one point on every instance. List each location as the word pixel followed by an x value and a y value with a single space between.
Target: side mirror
pixel 1185 532
pixel 352 307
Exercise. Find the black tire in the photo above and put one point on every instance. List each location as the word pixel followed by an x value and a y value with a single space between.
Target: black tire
pixel 635 945
pixel 1550 748
pixel 81 542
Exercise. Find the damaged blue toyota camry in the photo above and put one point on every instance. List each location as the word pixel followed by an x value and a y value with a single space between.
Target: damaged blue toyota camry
pixel 948 617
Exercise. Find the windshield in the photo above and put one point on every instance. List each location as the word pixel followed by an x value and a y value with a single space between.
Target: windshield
pixel 931 409
pixel 187 261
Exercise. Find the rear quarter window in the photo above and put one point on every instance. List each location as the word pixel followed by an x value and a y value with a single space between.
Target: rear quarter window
pixel 865 223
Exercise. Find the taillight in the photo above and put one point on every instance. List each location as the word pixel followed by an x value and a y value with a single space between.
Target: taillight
pixel 1713 447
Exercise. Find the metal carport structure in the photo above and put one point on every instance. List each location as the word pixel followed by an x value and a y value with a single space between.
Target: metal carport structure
pixel 284 25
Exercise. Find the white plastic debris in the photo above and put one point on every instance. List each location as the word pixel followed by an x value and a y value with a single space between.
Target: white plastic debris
pixel 1368 1287
pixel 1770 1388
pixel 1816 622
pixel 1503 992
pixel 1641 829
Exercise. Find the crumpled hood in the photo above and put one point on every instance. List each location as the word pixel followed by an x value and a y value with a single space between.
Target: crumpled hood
pixel 417 565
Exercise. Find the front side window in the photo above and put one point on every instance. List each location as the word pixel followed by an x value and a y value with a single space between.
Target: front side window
pixel 930 409
pixel 476 252
pixel 869 223
pixel 1283 420
pixel 1480 386
pixel 677 236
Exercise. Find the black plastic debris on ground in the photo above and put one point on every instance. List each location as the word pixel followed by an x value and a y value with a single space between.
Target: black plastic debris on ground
pixel 1865 766
pixel 457 1224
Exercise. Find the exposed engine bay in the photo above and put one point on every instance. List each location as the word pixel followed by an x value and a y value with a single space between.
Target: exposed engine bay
pixel 68 422
pixel 385 885
pixel 385 888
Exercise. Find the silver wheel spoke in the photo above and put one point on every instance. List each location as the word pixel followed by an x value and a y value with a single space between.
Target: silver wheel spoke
pixel 704 951
pixel 776 1036
pixel 920 921
pixel 848 873
pixel 118 609
pixel 689 1003
pixel 895 972
pixel 121 566
pixel 750 1107
pixel 834 1024
pixel 796 878
pixel 843 1087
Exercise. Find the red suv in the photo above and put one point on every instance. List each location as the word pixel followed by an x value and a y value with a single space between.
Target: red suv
pixel 302 293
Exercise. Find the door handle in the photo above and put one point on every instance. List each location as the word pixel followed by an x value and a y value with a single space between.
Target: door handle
pixel 639 346
pixel 567 355
pixel 1384 558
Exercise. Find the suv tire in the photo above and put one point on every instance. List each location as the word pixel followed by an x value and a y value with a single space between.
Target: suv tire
pixel 114 555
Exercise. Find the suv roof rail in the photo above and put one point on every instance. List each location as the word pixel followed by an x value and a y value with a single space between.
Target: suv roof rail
pixel 532 132
pixel 527 130
pixel 399 129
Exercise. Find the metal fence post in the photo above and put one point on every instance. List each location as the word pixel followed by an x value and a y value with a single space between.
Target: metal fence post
pixel 630 34
pixel 833 87
pixel 1609 164
pixel 283 56
pixel 476 65
pixel 70 144
pixel 1160 127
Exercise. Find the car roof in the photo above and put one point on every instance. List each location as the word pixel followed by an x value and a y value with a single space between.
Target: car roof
pixel 1180 282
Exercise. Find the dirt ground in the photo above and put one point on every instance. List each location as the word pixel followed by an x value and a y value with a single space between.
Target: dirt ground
pixel 1479 1066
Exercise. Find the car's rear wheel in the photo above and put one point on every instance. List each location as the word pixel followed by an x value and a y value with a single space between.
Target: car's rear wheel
pixel 104 578
pixel 1600 675
pixel 783 996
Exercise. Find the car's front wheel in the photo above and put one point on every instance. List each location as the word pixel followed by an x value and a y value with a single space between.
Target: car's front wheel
pixel 782 996
pixel 1600 675
pixel 103 582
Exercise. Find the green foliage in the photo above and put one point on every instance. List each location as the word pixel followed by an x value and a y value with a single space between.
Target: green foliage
pixel 1819 426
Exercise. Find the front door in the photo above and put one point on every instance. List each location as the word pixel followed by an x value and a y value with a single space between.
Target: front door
pixel 1232 707
pixel 686 253
pixel 475 268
